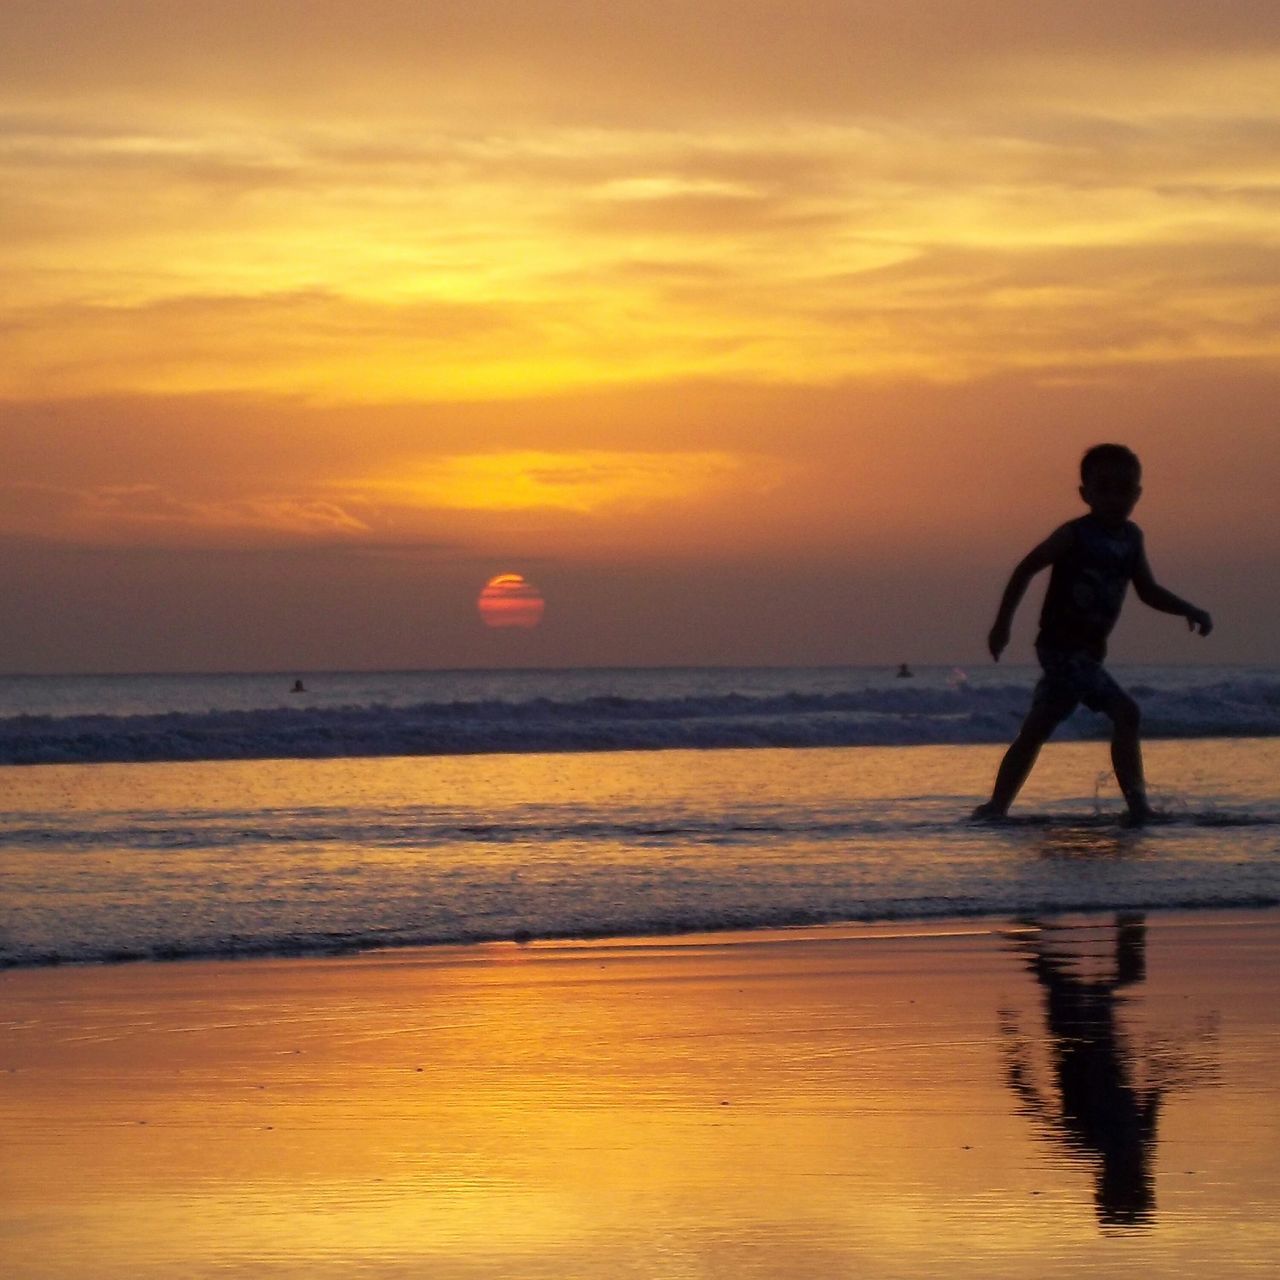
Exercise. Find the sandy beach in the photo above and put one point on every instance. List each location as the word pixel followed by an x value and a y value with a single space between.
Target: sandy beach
pixel 1088 1096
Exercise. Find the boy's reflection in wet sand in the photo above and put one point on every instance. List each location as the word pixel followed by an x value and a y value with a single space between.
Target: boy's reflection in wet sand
pixel 1095 1107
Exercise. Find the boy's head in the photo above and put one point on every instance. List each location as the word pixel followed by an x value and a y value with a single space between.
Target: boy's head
pixel 1111 482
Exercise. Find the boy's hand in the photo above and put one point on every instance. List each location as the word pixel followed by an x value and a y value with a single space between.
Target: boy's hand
pixel 998 639
pixel 1198 620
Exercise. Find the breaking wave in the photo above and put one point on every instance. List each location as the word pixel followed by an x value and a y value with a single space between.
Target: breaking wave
pixel 962 713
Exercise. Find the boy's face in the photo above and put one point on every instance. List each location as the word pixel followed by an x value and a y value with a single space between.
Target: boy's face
pixel 1111 493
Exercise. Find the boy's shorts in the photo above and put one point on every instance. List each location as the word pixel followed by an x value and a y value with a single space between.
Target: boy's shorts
pixel 1071 677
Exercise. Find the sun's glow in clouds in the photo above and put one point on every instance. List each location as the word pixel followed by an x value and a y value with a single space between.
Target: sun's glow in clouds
pixel 467 202
pixel 510 600
pixel 575 480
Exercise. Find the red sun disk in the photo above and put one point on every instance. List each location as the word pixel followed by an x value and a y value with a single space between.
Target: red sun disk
pixel 510 600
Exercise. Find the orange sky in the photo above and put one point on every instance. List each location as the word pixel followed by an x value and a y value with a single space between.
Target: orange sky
pixel 751 332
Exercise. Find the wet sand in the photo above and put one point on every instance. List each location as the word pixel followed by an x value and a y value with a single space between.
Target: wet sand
pixel 1094 1096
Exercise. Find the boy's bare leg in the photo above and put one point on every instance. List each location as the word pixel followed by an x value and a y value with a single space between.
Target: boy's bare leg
pixel 1041 721
pixel 1126 755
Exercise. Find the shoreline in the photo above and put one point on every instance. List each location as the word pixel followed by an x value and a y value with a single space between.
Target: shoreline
pixel 978 924
pixel 1087 733
pixel 894 1099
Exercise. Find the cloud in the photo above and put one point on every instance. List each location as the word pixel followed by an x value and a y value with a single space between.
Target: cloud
pixel 698 212
pixel 147 514
pixel 477 264
pixel 232 472
pixel 310 338
pixel 580 482
pixel 626 60
pixel 459 232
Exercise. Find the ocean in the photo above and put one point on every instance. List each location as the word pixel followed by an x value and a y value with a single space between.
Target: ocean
pixel 192 816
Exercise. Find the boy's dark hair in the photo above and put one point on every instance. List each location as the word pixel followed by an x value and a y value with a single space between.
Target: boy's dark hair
pixel 1108 455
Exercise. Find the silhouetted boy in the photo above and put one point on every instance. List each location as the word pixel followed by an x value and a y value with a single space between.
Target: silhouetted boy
pixel 1094 559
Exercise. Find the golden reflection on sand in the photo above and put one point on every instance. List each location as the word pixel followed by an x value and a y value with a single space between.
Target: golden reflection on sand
pixel 813 1103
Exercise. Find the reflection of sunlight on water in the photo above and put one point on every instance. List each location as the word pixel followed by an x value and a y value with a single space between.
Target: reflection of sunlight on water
pixel 1088 842
pixel 799 1105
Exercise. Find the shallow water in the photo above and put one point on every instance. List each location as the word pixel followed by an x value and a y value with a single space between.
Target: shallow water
pixel 111 862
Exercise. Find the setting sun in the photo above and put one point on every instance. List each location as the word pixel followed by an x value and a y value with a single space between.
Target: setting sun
pixel 508 600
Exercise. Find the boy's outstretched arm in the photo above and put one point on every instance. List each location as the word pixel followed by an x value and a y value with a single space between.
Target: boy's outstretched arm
pixel 1151 593
pixel 1037 558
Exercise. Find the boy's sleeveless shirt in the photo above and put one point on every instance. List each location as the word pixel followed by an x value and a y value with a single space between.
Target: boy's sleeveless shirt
pixel 1087 587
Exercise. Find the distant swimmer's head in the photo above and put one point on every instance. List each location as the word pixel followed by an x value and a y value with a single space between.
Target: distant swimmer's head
pixel 1111 482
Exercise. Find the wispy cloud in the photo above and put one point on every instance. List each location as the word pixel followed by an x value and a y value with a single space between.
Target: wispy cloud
pixel 390 263
pixel 149 514
pixel 583 481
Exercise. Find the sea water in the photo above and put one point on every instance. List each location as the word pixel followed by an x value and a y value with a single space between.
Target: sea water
pixel 182 816
pixel 128 719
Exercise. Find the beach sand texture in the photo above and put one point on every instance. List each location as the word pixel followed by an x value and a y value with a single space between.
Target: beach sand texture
pixel 1088 1097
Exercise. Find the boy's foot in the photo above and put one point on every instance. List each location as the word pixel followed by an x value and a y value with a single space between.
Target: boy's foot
pixel 1139 815
pixel 989 812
